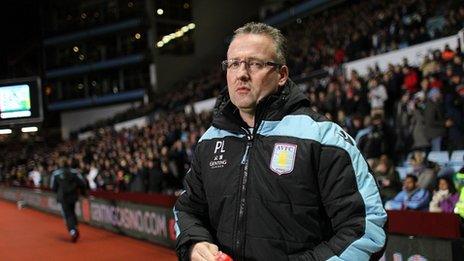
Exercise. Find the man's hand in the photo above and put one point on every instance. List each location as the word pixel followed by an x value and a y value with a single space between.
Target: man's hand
pixel 203 251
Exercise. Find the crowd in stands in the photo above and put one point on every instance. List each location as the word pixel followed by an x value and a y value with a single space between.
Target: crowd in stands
pixel 151 159
pixel 323 40
pixel 397 117
pixel 389 113
pixel 342 33
pixel 204 87
pixel 276 7
pixel 358 29
pixel 402 108
pixel 413 196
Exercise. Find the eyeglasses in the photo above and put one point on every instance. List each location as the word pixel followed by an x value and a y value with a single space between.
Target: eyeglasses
pixel 253 65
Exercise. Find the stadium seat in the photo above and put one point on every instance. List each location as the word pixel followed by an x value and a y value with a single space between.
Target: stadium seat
pixel 457 167
pixel 439 157
pixel 457 160
pixel 457 156
pixel 403 171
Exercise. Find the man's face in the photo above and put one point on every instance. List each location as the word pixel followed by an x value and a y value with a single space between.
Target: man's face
pixel 409 184
pixel 247 88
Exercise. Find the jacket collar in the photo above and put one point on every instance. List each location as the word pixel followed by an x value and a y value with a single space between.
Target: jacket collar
pixel 273 107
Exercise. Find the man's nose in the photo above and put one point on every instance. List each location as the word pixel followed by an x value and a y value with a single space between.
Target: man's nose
pixel 243 72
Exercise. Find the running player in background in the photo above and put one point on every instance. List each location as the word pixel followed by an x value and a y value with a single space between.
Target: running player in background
pixel 68 183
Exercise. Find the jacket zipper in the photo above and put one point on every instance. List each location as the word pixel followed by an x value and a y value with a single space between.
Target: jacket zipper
pixel 239 234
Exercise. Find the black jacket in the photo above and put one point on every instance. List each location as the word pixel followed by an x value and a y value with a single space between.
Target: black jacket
pixel 296 188
pixel 68 183
pixel 434 120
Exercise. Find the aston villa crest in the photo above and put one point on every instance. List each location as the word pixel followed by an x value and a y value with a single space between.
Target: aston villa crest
pixel 283 158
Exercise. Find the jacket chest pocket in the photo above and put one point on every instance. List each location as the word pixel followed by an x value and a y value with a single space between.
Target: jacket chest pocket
pixel 221 167
pixel 283 172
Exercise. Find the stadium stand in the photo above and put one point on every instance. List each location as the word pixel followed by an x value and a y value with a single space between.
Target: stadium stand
pixel 348 99
pixel 311 49
pixel 408 119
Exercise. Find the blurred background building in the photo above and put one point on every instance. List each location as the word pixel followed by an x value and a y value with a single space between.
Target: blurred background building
pixel 104 57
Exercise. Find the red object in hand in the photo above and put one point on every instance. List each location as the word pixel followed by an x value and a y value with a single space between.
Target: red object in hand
pixel 223 257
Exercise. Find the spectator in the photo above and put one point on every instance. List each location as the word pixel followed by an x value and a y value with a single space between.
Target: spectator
pixel 418 130
pixel 402 126
pixel 444 197
pixel 411 197
pixel 429 66
pixel 374 144
pixel 377 96
pixel 45 177
pixel 411 80
pixel 387 178
pixel 455 121
pixel 423 171
pixel 138 178
pixel 93 172
pixel 424 86
pixel 35 176
pixel 435 82
pixel 122 182
pixel 155 177
pixel 355 125
pixel 434 119
pixel 447 54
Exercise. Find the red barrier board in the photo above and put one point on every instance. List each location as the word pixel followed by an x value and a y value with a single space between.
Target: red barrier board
pixel 418 223
pixel 141 198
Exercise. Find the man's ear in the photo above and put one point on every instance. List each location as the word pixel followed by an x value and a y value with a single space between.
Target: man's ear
pixel 283 75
